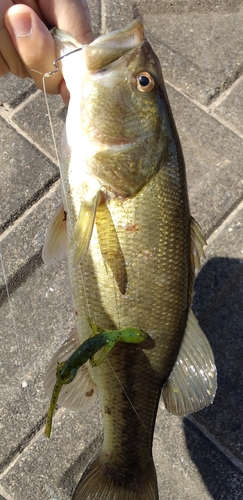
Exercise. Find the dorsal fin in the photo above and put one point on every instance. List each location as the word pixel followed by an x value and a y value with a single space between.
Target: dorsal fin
pixel 197 244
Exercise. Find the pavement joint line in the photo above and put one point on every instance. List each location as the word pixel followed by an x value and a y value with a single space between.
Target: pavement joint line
pixel 5 494
pixel 32 440
pixel 18 129
pixel 207 110
pixel 29 210
pixel 234 460
pixel 103 16
pixel 227 124
pixel 225 93
pixel 11 111
pixel 29 203
pixel 233 209
pixel 225 222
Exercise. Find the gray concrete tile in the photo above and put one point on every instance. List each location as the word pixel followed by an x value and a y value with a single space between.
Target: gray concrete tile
pixel 200 52
pixel 221 479
pixel 213 156
pixel 95 12
pixel 22 243
pixel 50 469
pixel 189 467
pixel 117 14
pixel 33 325
pixel 34 121
pixel 230 109
pixel 222 319
pixel 25 174
pixel 218 303
pixel 228 239
pixel 180 6
pixel 15 90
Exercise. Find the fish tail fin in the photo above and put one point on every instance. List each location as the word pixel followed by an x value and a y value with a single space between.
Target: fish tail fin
pixel 100 482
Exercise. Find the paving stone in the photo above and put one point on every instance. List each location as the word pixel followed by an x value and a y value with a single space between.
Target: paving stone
pixel 34 121
pixel 23 242
pixel 15 90
pixel 213 156
pixel 188 466
pixel 95 13
pixel 221 479
pixel 117 13
pixel 25 174
pixel 222 323
pixel 180 6
pixel 224 250
pixel 200 52
pixel 33 325
pixel 230 109
pixel 51 469
pixel 218 303
pixel 228 240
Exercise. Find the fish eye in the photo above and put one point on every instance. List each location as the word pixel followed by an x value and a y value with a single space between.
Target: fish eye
pixel 145 82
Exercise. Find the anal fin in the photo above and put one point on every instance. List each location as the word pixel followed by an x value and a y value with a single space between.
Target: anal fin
pixel 81 393
pixel 193 381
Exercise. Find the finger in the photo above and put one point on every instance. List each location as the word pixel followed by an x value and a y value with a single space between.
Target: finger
pixel 64 93
pixel 9 58
pixel 73 18
pixel 34 45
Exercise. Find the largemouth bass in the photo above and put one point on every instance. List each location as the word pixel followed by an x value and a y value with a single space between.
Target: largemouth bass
pixel 132 249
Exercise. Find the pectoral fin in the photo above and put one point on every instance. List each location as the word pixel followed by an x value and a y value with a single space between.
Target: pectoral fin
pixel 55 244
pixel 84 227
pixel 81 393
pixel 193 381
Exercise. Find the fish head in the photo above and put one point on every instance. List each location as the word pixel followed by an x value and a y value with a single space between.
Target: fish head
pixel 122 110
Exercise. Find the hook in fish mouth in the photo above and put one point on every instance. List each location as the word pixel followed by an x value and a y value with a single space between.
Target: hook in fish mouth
pixel 50 73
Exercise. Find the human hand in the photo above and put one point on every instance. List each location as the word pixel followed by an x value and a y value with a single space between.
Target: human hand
pixel 26 43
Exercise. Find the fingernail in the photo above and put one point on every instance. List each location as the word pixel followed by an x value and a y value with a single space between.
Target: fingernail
pixel 21 25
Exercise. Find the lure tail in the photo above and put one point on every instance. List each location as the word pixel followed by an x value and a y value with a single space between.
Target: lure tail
pixel 101 482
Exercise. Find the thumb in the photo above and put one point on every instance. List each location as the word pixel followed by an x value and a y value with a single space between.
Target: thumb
pixel 34 44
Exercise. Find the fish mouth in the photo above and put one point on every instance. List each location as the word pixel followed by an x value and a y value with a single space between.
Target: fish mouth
pixel 111 46
pixel 128 37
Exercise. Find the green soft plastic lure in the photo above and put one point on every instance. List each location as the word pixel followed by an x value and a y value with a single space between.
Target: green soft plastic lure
pixel 67 370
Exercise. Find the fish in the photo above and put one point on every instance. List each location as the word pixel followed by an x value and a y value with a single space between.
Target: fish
pixel 133 249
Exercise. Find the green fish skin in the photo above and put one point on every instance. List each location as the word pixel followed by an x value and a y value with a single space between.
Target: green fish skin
pixel 132 249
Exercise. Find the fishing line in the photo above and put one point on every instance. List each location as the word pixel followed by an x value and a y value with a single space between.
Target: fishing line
pixel 125 392
pixel 116 302
pixel 47 75
pixel 16 335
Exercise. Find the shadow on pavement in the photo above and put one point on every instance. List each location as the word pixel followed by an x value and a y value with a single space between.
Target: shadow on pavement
pixel 218 304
